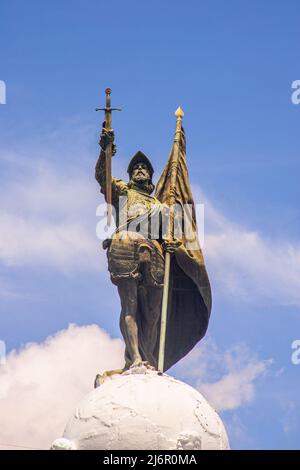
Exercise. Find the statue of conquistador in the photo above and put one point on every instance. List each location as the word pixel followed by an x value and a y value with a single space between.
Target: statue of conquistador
pixel 136 260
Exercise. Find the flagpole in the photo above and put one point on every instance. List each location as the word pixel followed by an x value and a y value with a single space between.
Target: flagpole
pixel 164 311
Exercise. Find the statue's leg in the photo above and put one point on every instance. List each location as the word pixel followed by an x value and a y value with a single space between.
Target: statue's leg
pixel 128 294
pixel 127 354
pixel 154 295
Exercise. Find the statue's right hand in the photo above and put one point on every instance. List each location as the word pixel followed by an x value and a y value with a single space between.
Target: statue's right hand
pixel 106 137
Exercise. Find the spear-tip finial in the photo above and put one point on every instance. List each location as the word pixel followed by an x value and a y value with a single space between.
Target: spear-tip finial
pixel 179 113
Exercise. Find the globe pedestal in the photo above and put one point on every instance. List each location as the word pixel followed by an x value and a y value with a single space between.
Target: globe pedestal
pixel 141 410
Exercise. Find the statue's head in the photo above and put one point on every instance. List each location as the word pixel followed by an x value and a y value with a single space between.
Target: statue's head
pixel 140 172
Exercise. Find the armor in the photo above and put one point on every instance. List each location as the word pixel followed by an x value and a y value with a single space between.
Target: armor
pixel 132 252
pixel 129 254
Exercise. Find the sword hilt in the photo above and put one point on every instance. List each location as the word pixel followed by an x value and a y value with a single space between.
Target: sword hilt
pixel 108 109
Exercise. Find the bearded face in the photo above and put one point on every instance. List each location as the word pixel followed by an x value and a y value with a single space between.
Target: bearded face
pixel 140 174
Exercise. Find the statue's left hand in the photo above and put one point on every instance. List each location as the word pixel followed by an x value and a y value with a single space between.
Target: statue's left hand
pixel 171 245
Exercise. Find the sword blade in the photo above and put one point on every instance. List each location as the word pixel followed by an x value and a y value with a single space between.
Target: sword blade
pixel 108 156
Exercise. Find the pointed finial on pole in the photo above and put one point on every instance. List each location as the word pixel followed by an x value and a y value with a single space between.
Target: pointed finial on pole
pixel 179 113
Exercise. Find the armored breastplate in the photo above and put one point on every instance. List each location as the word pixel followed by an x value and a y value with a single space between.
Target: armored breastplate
pixel 139 212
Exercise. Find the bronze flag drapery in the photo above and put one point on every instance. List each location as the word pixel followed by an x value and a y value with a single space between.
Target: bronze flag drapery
pixel 189 304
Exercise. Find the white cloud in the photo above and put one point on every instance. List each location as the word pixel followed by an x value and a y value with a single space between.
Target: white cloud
pixel 41 384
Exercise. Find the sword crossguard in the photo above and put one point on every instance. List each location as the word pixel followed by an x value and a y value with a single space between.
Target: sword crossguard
pixel 108 109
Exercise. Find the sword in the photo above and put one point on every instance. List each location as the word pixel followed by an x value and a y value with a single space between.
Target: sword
pixel 108 153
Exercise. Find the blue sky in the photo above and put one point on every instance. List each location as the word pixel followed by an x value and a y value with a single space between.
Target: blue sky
pixel 230 65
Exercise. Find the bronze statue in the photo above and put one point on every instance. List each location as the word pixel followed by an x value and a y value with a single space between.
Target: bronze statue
pixel 162 281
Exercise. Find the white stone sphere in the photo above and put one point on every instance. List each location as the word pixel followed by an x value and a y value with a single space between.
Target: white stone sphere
pixel 140 409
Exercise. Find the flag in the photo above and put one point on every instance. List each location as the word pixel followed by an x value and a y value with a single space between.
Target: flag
pixel 190 293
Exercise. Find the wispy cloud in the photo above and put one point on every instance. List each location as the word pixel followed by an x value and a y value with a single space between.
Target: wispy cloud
pixel 7 291
pixel 226 378
pixel 248 265
pixel 238 432
pixel 50 220
pixel 289 416
pixel 41 384
pixel 236 387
